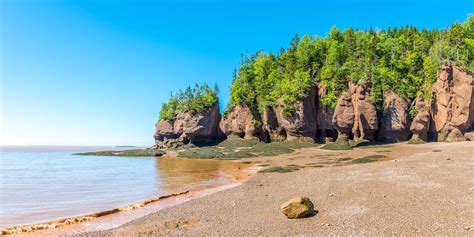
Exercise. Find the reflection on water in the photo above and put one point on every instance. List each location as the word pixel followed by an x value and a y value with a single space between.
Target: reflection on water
pixel 38 186
pixel 178 173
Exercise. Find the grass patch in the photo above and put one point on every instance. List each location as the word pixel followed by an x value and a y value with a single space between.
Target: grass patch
pixel 368 144
pixel 416 141
pixel 340 144
pixel 383 151
pixel 316 166
pixel 436 150
pixel 297 144
pixel 368 159
pixel 280 169
pixel 202 153
pixel 270 149
pixel 127 153
pixel 344 159
pixel 238 142
pixel 241 148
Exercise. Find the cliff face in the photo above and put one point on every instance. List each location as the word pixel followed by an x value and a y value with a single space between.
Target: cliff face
pixel 395 121
pixel 302 123
pixel 188 128
pixel 241 122
pixel 448 116
pixel 453 102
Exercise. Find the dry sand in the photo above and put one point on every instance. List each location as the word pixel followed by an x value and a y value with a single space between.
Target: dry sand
pixel 418 190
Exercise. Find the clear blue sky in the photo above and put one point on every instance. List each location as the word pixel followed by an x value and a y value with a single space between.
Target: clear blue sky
pixel 96 72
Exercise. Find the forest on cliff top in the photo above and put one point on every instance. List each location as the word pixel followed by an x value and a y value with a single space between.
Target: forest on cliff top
pixel 404 60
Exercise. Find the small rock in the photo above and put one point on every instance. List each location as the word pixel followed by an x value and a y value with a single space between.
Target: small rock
pixel 467 227
pixel 384 195
pixel 297 207
pixel 328 224
pixel 7 232
pixel 448 159
pixel 331 195
pixel 26 229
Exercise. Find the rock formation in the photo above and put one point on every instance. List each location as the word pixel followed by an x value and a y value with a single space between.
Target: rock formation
pixel 343 118
pixel 447 116
pixel 395 122
pixel 326 130
pixel 421 123
pixel 271 126
pixel 241 122
pixel 452 102
pixel 365 113
pixel 298 207
pixel 302 123
pixel 200 127
pixel 355 114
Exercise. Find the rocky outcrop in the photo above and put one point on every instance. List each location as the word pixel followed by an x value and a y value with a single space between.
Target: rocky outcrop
pixel 453 101
pixel 188 127
pixel 326 130
pixel 447 116
pixel 455 135
pixel 298 207
pixel 421 123
pixel 355 114
pixel 343 118
pixel 241 122
pixel 395 122
pixel 365 113
pixel 302 123
pixel 271 126
pixel 469 136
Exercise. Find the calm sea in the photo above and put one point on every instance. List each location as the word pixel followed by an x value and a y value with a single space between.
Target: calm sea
pixel 39 184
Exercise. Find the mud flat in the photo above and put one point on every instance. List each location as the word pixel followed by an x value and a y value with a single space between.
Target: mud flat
pixel 423 189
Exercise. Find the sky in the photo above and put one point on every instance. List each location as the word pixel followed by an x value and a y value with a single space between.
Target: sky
pixel 95 72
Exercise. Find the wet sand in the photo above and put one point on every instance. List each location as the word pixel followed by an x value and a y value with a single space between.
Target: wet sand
pixel 416 190
pixel 421 190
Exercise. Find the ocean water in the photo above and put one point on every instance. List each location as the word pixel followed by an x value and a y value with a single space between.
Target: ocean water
pixel 40 184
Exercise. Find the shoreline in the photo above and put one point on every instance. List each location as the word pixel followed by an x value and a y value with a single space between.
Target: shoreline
pixel 234 177
pixel 418 191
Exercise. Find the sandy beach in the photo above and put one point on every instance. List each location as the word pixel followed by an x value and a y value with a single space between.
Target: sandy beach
pixel 416 190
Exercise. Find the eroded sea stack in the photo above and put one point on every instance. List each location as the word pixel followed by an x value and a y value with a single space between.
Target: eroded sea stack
pixel 448 116
pixel 198 128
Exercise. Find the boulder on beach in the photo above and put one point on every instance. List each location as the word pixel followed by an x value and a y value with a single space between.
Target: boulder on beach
pixel 298 207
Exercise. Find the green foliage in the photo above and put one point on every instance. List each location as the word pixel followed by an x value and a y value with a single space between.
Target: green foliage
pixel 126 153
pixel 191 100
pixel 280 169
pixel 368 159
pixel 339 144
pixel 404 60
pixel 241 148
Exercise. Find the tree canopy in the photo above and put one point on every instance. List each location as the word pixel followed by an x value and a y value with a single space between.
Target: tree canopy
pixel 402 59
pixel 192 99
